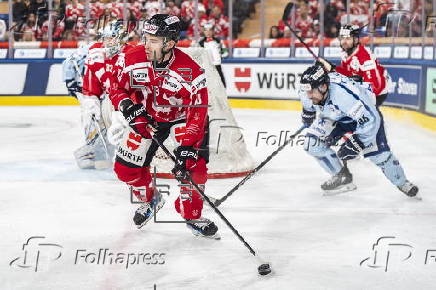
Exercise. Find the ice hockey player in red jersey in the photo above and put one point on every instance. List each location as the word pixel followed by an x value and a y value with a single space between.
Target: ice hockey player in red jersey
pixel 359 61
pixel 172 90
pixel 95 105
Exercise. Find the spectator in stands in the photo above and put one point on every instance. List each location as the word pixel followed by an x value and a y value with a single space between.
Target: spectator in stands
pixel 209 4
pixel 59 6
pixel 58 28
pixel 28 29
pixel 203 19
pixel 40 9
pixel 172 8
pixel 19 12
pixel 304 23
pixel 73 11
pixel 152 7
pixel 275 33
pixel 221 23
pixel 187 12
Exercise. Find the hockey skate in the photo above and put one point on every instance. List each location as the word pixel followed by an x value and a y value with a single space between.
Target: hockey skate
pixel 410 190
pixel 203 227
pixel 339 183
pixel 147 210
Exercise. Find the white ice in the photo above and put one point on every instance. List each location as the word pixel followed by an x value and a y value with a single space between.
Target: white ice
pixel 311 241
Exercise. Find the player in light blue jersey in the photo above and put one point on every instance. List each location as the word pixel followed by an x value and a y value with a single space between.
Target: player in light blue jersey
pixel 73 69
pixel 339 111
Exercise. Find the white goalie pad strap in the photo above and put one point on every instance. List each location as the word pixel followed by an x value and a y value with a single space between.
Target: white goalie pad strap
pixel 133 148
pixel 177 132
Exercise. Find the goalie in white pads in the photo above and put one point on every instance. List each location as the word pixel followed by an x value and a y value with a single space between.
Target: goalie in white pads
pixel 96 107
pixel 346 111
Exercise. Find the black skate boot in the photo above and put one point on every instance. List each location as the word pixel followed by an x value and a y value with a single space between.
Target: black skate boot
pixel 146 211
pixel 341 182
pixel 410 190
pixel 203 227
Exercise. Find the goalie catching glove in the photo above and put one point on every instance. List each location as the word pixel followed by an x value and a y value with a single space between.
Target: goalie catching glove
pixel 185 158
pixel 135 117
pixel 351 148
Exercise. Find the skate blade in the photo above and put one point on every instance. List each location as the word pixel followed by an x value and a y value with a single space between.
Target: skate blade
pixel 158 207
pixel 341 189
pixel 216 236
pixel 417 197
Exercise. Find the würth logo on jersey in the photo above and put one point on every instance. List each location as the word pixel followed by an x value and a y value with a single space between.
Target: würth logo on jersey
pixel 242 79
pixel 134 141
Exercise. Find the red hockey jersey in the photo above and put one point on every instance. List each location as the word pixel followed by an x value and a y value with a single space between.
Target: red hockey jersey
pixel 99 70
pixel 363 63
pixel 169 94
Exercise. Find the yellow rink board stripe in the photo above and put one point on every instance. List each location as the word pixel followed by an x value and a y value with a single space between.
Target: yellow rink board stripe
pixel 38 101
pixel 418 118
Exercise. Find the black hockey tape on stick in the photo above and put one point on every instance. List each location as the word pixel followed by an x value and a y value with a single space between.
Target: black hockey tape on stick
pixel 217 211
pixel 249 175
pixel 288 9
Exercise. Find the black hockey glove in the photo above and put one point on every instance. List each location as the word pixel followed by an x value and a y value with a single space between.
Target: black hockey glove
pixel 73 87
pixel 357 78
pixel 328 66
pixel 183 154
pixel 307 117
pixel 351 148
pixel 135 116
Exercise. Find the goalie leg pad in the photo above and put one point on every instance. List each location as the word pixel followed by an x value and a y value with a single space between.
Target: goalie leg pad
pixel 390 166
pixel 85 157
pixel 325 156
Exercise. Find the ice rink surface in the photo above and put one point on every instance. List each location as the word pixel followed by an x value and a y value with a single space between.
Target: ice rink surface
pixel 311 241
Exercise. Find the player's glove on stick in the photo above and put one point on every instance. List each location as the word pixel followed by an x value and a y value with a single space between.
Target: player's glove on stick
pixel 307 117
pixel 351 148
pixel 328 66
pixel 185 158
pixel 135 117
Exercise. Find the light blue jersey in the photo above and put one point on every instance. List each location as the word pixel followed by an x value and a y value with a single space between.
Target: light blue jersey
pixel 347 102
pixel 73 67
pixel 350 104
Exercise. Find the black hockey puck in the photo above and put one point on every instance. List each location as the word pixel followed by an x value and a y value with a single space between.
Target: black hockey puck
pixel 264 269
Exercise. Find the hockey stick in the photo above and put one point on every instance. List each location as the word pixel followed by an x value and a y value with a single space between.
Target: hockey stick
pixel 252 172
pixel 264 268
pixel 100 133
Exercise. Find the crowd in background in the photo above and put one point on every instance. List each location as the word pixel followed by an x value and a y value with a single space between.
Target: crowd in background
pixel 403 16
pixel 31 17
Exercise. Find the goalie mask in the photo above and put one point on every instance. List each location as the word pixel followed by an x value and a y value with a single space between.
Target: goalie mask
pixel 113 37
